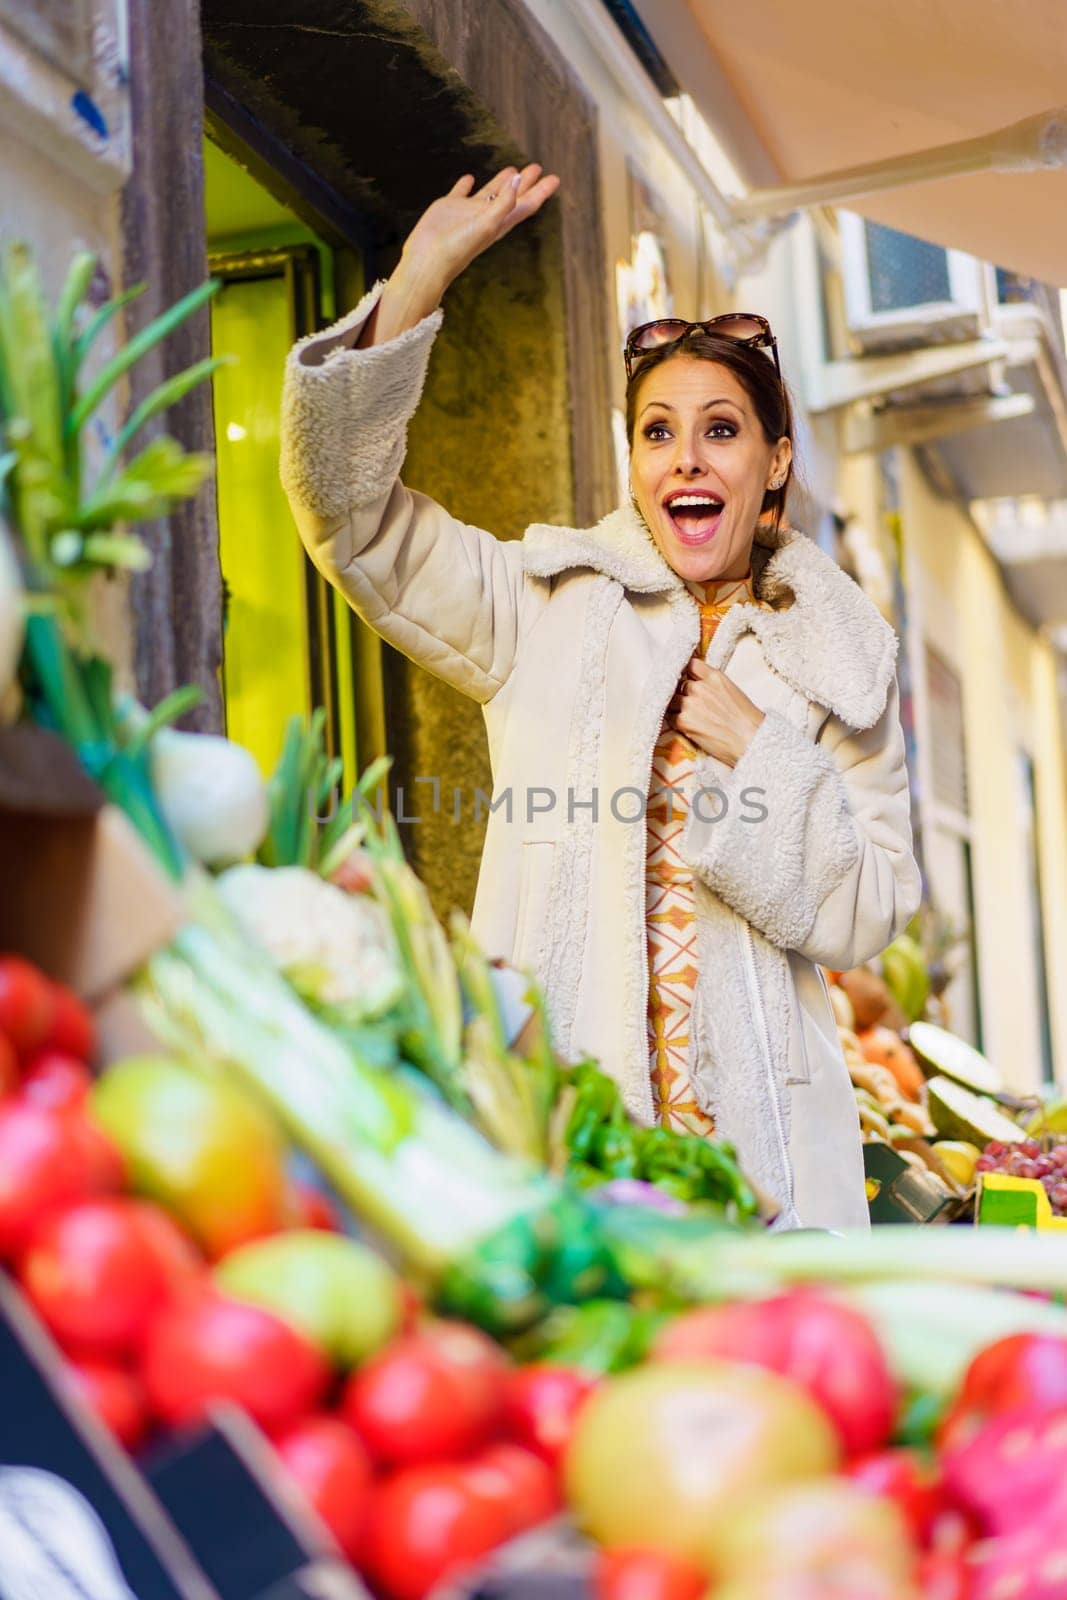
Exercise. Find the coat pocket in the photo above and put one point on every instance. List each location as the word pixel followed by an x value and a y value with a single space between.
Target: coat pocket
pixel 799 1054
pixel 535 877
pixel 813 1018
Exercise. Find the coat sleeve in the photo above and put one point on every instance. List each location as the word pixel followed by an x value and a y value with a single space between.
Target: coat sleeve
pixel 813 842
pixel 446 594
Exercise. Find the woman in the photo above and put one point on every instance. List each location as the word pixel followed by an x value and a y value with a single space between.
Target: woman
pixel 699 640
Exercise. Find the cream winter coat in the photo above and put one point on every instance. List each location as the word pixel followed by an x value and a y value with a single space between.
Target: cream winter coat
pixel 572 641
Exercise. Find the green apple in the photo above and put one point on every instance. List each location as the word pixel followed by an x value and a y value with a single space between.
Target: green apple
pixel 345 1298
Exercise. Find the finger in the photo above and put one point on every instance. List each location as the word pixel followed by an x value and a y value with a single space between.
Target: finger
pixel 529 176
pixel 499 184
pixel 700 669
pixel 532 201
pixel 463 185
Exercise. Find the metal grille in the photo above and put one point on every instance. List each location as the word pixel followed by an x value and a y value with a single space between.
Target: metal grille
pixel 948 756
pixel 904 271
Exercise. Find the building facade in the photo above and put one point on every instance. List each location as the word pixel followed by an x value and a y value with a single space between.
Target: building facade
pixel 294 155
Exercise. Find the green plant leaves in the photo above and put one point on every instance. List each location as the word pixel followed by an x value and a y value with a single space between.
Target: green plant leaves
pixel 146 487
pixel 137 347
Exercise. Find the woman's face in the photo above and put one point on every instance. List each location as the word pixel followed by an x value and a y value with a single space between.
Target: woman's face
pixel 699 467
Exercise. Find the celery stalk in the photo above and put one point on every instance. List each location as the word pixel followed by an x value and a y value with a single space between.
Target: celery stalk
pixel 406 1164
pixel 933 1331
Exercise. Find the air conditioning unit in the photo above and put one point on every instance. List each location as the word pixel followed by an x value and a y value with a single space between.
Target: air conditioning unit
pixel 904 293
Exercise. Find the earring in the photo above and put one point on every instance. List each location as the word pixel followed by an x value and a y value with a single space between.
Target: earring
pixel 776 483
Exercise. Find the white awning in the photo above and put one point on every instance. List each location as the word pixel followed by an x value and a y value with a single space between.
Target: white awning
pixel 798 91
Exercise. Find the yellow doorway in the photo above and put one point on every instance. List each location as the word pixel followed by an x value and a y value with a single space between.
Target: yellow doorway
pixel 287 638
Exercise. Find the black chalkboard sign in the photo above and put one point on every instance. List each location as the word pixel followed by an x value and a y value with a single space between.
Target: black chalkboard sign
pixel 77 1519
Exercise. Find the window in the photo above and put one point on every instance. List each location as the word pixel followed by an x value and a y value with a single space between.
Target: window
pixel 1028 823
pixel 947 755
pixel 947 855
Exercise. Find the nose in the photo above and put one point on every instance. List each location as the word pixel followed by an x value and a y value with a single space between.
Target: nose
pixel 687 460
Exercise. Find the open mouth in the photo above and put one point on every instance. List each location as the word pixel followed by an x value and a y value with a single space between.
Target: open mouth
pixel 695 517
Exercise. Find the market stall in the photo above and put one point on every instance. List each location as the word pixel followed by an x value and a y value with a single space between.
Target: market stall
pixel 311 1277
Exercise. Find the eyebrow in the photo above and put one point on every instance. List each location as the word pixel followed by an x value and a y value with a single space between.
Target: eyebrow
pixel 709 405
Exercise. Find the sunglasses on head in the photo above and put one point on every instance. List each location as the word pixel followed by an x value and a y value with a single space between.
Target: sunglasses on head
pixel 743 326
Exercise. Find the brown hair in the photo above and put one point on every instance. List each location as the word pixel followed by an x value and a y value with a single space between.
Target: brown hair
pixel 755 371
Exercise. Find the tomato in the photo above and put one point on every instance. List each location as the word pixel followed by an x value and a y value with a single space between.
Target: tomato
pixel 99 1271
pixel 541 1403
pixel 412 1307
pixel 206 1347
pixel 103 1158
pixel 48 1159
pixel 433 1394
pixel 646 1575
pixel 9 1066
pixel 1024 1372
pixel 944 1576
pixel 905 1477
pixel 334 1472
pixel 114 1393
pixel 55 1079
pixel 821 1343
pixel 523 1485
pixel 425 1524
pixel 312 1209
pixel 72 1031
pixel 27 1006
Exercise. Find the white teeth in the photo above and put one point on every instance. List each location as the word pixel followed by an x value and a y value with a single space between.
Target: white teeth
pixel 701 500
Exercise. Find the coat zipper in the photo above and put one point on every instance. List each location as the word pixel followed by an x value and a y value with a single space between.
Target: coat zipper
pixel 760 1018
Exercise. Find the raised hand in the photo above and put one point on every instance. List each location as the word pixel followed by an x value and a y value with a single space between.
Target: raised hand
pixel 448 236
pixel 466 221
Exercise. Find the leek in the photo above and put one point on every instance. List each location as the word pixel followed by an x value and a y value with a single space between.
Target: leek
pixel 299 790
pixel 692 1259
pixel 512 1098
pixel 431 1022
pixel 406 1164
pixel 933 1331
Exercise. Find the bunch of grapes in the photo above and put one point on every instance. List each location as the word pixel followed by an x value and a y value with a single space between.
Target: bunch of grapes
pixel 1028 1160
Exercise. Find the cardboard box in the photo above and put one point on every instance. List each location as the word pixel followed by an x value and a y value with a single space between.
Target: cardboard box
pixel 82 895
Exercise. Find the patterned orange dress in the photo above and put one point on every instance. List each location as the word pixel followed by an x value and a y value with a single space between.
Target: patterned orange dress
pixel 669 915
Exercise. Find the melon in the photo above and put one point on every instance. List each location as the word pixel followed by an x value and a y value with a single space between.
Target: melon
pixel 958 1114
pixel 943 1054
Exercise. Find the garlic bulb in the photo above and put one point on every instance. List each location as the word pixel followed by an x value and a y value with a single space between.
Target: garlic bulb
pixel 11 615
pixel 211 793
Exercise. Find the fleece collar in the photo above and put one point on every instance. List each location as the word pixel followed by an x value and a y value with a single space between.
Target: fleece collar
pixel 823 637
